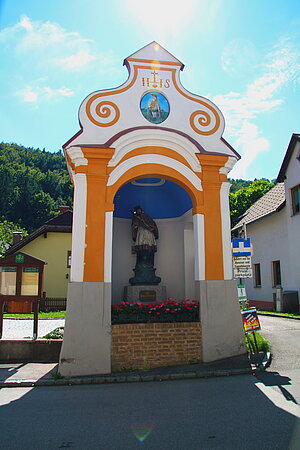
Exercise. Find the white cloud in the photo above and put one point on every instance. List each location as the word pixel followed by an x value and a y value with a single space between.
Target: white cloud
pixel 252 144
pixel 38 94
pixel 241 110
pixel 48 43
pixel 81 59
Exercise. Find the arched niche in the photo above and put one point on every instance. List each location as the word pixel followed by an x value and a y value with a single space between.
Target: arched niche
pixel 171 207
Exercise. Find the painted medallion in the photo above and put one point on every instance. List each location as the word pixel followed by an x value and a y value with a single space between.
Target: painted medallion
pixel 155 107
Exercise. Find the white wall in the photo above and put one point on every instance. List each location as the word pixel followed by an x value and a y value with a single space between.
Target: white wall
pixel 270 238
pixel 174 261
pixel 293 221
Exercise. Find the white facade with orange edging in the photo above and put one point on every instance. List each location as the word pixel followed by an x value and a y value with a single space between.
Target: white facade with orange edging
pixel 119 144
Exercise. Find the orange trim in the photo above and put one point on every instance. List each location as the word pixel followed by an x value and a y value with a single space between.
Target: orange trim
pixel 155 62
pixel 81 169
pixel 104 94
pixel 211 183
pixel 157 151
pixel 103 111
pixel 95 212
pixel 204 121
pixel 213 232
pixel 159 171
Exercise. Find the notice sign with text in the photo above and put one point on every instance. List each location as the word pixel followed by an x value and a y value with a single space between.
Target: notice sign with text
pixel 250 320
pixel 242 267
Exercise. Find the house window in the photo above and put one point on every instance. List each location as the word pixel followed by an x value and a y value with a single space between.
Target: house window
pixel 296 199
pixel 257 277
pixel 276 273
pixel 69 258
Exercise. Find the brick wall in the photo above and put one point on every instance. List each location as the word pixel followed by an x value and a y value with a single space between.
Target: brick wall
pixel 145 345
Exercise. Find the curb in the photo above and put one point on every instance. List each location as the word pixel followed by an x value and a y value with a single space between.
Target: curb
pixel 278 315
pixel 126 378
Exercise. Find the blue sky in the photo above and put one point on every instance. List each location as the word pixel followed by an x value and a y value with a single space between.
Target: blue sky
pixel 242 55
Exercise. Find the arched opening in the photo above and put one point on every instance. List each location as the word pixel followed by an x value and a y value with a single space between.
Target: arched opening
pixel 171 208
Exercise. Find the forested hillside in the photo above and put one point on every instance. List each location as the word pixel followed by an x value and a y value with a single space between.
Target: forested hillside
pixel 33 184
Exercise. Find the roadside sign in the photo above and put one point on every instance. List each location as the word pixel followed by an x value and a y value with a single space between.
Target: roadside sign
pixel 242 261
pixel 242 272
pixel 242 267
pixel 250 320
pixel 241 247
pixel 242 293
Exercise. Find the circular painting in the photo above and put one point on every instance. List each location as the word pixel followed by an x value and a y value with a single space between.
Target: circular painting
pixel 155 107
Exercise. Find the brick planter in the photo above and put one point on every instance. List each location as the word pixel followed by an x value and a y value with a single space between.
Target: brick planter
pixel 146 345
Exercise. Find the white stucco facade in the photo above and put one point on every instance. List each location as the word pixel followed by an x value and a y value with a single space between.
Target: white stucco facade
pixel 275 237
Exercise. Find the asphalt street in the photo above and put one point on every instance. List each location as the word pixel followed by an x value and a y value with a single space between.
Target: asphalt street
pixel 284 373
pixel 237 412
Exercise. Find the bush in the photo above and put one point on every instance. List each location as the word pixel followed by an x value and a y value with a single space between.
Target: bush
pixel 167 311
pixel 262 344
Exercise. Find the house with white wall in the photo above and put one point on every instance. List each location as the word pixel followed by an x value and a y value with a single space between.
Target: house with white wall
pixel 273 224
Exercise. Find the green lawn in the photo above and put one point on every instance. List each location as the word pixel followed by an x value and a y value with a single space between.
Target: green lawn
pixel 279 313
pixel 42 315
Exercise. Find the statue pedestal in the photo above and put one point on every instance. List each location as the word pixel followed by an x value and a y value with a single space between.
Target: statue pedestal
pixel 145 293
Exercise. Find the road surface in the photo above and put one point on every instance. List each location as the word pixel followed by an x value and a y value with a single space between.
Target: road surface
pixel 237 412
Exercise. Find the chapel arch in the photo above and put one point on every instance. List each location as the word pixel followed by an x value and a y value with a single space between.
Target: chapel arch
pixel 170 205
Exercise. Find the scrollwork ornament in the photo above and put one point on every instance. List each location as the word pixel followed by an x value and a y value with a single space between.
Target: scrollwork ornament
pixel 201 121
pixel 103 110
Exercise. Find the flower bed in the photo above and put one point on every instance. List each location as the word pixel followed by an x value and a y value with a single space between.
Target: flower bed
pixel 167 311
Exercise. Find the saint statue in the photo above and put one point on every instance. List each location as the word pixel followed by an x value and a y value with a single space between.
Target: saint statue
pixel 144 234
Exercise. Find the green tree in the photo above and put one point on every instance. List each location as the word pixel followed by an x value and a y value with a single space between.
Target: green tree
pixel 6 235
pixel 33 184
pixel 243 198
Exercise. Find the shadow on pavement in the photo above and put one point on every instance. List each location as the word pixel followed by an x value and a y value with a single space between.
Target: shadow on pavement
pixel 215 413
pixel 275 379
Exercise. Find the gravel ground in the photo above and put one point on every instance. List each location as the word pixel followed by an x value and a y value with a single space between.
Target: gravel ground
pixel 23 328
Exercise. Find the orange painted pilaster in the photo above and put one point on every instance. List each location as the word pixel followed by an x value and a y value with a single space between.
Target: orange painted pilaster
pixel 211 183
pixel 97 206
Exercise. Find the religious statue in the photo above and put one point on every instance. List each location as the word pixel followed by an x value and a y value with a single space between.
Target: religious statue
pixel 144 234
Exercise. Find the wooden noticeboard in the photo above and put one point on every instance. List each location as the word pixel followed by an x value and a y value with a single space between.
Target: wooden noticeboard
pixel 21 285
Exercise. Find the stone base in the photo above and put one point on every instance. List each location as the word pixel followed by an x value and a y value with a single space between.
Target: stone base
pixel 221 321
pixel 145 293
pixel 86 348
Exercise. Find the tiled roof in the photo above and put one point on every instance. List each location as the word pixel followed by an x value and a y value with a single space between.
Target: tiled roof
pixel 60 224
pixel 62 220
pixel 269 203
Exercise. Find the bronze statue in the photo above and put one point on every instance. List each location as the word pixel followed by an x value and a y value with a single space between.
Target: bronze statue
pixel 144 233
